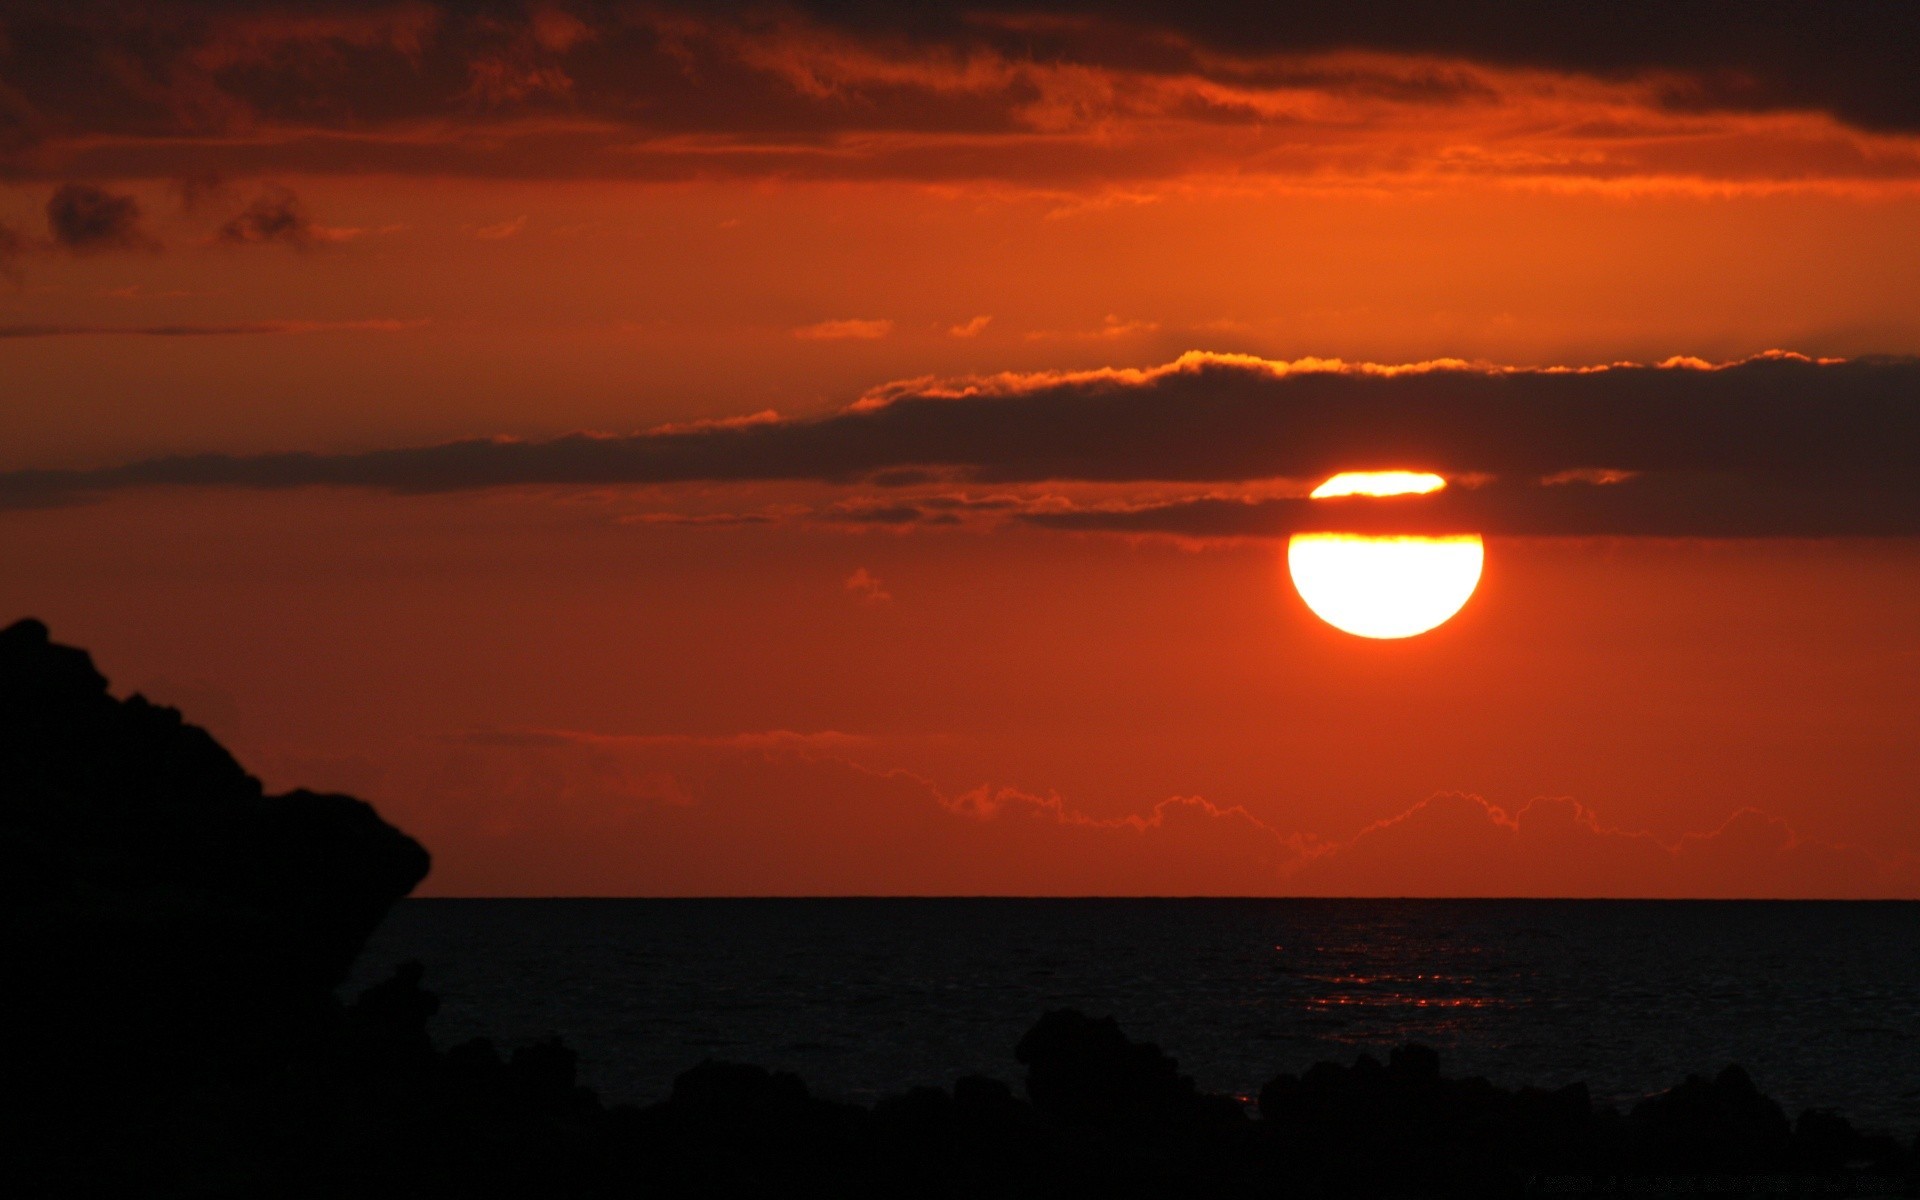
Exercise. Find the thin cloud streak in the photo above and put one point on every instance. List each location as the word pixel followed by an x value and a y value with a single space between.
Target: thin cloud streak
pixel 851 329
pixel 239 328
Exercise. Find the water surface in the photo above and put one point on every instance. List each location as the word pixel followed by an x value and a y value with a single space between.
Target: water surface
pixel 1821 1001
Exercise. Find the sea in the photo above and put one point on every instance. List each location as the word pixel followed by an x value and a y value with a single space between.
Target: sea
pixel 1819 1001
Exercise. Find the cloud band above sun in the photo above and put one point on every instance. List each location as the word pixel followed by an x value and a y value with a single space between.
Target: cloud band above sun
pixel 1701 96
pixel 1775 446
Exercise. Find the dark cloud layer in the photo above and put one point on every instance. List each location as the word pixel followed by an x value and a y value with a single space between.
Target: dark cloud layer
pixel 116 88
pixel 1854 61
pixel 1774 446
pixel 1666 504
pixel 84 219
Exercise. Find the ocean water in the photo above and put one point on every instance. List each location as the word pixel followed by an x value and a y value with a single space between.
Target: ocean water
pixel 862 997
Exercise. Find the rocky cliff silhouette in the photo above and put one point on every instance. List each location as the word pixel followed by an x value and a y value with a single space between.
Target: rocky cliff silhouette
pixel 174 939
pixel 154 890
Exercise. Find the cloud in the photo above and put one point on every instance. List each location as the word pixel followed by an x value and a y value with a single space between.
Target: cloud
pixel 1675 504
pixel 241 328
pixel 501 230
pixel 1455 844
pixel 825 740
pixel 864 511
pixel 971 328
pixel 1055 95
pixel 779 812
pixel 86 219
pixel 1112 326
pixel 866 587
pixel 276 215
pixel 702 518
pixel 1779 445
pixel 567 813
pixel 854 329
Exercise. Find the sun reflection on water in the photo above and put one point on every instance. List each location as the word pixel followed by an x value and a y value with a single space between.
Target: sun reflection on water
pixel 1372 999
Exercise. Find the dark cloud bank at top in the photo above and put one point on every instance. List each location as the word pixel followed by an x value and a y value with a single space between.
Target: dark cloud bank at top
pixel 1775 446
pixel 122 89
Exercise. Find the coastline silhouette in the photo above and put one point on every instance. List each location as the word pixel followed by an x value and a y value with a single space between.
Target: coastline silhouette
pixel 177 937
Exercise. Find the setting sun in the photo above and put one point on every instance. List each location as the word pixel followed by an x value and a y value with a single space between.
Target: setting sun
pixel 1379 483
pixel 1384 587
pixel 1391 586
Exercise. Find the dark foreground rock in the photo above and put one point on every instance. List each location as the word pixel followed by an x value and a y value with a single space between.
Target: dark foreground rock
pixel 174 938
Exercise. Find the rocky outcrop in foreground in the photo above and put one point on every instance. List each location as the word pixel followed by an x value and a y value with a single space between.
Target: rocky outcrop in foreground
pixel 160 912
pixel 175 938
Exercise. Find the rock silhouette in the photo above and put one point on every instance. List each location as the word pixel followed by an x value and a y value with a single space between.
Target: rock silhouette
pixel 168 926
pixel 142 862
pixel 175 937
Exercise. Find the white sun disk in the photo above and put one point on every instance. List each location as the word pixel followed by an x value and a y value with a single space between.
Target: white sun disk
pixel 1385 587
pixel 1379 483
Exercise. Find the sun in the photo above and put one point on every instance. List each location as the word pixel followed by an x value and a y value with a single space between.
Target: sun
pixel 1390 586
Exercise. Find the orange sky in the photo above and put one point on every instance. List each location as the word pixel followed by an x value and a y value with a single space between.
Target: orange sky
pixel 353 227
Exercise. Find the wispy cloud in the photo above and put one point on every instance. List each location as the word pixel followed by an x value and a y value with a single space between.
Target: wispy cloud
pixel 866 587
pixel 1556 846
pixel 240 328
pixel 501 230
pixel 677 813
pixel 277 216
pixel 1110 328
pixel 854 328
